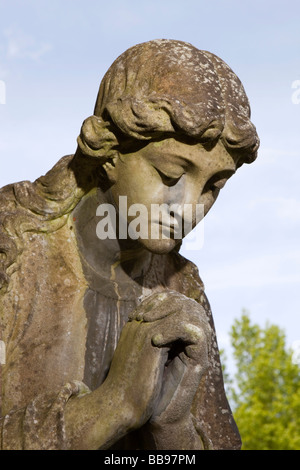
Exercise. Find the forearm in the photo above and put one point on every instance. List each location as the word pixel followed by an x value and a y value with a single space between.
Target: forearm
pixel 96 420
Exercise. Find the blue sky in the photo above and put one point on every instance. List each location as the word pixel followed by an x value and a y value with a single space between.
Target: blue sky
pixel 53 55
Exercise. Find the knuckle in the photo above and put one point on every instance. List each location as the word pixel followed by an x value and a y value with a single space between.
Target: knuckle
pixel 197 333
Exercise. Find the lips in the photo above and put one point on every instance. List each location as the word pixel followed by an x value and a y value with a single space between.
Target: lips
pixel 172 226
pixel 172 230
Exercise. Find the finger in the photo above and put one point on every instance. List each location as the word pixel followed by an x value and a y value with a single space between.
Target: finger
pixel 167 304
pixel 145 311
pixel 188 333
pixel 174 302
pixel 194 339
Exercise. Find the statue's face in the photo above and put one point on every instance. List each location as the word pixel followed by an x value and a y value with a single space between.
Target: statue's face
pixel 169 172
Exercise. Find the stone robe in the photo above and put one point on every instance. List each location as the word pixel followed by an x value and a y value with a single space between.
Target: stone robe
pixel 60 325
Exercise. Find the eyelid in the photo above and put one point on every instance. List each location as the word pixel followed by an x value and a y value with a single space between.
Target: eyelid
pixel 168 179
pixel 219 181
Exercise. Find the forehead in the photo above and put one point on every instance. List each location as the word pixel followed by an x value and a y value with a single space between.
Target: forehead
pixel 189 155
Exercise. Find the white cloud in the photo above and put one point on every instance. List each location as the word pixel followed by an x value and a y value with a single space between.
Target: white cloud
pixel 224 341
pixel 269 155
pixel 127 18
pixel 4 73
pixel 284 208
pixel 265 270
pixel 21 45
pixel 289 209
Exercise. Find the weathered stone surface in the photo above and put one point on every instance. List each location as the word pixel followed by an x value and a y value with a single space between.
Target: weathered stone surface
pixel 110 343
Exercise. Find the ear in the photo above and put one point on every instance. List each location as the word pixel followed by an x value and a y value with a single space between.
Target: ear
pixel 110 167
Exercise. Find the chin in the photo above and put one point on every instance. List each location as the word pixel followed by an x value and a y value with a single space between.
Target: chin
pixel 159 247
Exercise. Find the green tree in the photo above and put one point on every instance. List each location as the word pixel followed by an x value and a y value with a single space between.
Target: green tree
pixel 266 393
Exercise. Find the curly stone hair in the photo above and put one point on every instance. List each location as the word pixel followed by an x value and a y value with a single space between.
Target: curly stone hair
pixel 169 87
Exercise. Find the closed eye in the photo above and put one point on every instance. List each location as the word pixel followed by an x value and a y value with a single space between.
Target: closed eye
pixel 217 182
pixel 168 180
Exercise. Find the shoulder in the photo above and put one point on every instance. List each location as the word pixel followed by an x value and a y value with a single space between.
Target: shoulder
pixel 33 207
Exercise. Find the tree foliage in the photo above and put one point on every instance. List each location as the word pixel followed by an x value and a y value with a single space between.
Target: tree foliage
pixel 265 394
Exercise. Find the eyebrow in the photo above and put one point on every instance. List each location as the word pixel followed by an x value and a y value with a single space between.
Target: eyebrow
pixel 180 160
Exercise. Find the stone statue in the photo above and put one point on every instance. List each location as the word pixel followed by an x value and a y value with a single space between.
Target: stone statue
pixel 110 341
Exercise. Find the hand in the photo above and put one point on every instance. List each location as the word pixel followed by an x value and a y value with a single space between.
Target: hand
pixel 136 371
pixel 180 328
pixel 155 372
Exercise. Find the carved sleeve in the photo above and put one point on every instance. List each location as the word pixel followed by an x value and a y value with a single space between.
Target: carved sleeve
pixel 40 425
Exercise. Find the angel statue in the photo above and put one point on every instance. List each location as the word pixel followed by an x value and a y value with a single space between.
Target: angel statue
pixel 108 335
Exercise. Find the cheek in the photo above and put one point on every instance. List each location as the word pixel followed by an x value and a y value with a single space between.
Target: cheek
pixel 208 199
pixel 141 185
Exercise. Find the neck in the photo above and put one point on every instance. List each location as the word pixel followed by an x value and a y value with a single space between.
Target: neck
pixel 110 258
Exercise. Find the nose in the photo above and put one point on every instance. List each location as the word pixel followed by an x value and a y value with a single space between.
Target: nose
pixel 193 191
pixel 184 192
pixel 184 200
